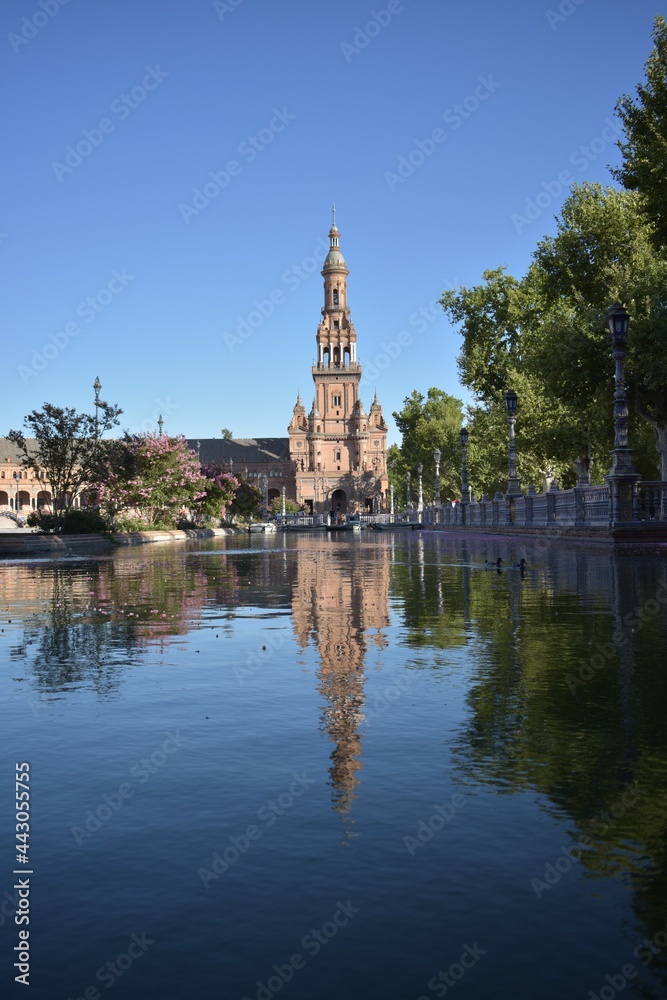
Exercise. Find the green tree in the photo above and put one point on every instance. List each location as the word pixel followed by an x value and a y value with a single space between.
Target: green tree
pixel 276 506
pixel 496 318
pixel 603 252
pixel 427 424
pixel 645 147
pixel 64 449
pixel 247 501
pixel 545 336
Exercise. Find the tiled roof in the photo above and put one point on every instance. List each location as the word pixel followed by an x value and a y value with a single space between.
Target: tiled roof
pixel 9 451
pixel 242 450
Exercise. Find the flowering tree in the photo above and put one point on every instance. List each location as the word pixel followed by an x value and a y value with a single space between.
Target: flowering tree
pixel 150 481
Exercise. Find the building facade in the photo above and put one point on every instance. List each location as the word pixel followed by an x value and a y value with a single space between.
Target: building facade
pixel 338 451
pixel 336 455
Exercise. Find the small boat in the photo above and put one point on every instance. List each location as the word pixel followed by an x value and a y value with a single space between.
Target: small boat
pixel 396 525
pixel 304 527
pixel 348 526
pixel 261 528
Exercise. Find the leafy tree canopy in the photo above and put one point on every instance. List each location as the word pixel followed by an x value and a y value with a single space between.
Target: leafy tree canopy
pixel 645 147
pixel 427 424
pixel 66 450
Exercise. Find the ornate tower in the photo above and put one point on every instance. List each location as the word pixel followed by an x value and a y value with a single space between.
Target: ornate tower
pixel 338 452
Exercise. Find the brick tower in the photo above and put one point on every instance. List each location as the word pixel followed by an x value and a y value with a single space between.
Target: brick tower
pixel 338 451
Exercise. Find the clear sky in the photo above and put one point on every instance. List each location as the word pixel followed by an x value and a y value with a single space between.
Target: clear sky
pixel 432 125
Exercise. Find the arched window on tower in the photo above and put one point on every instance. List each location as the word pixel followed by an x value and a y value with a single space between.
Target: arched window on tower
pixel 335 297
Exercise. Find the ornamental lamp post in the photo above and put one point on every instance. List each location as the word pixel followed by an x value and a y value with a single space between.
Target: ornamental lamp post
pixel 408 477
pixel 97 385
pixel 283 491
pixel 17 501
pixel 160 424
pixel 622 476
pixel 420 501
pixel 465 489
pixel 265 493
pixel 436 459
pixel 513 482
pixel 391 501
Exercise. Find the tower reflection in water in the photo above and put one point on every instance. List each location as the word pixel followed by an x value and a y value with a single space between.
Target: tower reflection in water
pixel 341 602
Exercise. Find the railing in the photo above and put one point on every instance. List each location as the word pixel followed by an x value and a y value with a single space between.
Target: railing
pixel 582 506
pixel 595 504
pixel 652 501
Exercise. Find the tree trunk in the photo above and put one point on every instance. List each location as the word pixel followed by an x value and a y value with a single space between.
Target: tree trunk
pixel 661 448
pixel 660 431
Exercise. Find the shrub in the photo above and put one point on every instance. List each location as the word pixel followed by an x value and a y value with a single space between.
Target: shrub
pixel 84 522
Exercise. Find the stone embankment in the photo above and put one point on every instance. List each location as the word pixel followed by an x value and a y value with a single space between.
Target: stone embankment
pixel 28 543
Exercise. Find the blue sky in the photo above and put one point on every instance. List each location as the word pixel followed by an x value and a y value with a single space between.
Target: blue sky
pixel 432 125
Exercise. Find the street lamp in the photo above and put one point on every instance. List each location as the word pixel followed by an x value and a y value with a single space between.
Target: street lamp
pixel 622 476
pixel 160 424
pixel 436 459
pixel 465 493
pixel 265 492
pixel 198 448
pixel 283 491
pixel 97 385
pixel 17 502
pixel 408 477
pixel 391 501
pixel 420 501
pixel 513 482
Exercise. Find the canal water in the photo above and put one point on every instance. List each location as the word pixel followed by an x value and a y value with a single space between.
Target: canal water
pixel 337 768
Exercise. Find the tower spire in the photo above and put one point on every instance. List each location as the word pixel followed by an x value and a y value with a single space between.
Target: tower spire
pixel 333 214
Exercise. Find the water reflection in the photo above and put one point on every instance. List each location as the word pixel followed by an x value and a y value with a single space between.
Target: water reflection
pixel 341 602
pixel 561 667
pixel 87 623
